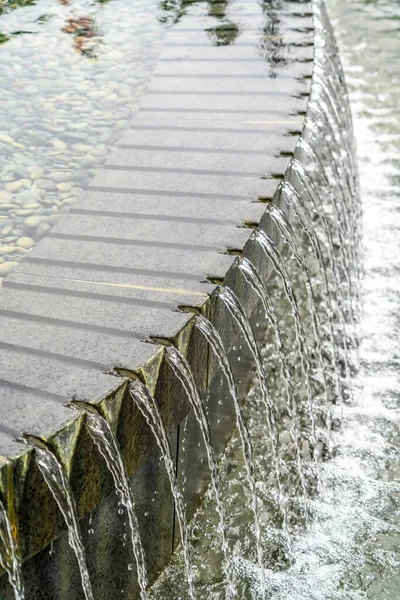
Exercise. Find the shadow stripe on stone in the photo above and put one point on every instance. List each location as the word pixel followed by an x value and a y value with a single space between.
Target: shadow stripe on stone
pixel 69 264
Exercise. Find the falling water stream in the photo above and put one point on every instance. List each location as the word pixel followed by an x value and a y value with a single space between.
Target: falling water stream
pixel 236 310
pixel 9 558
pixel 293 407
pixel 57 481
pixel 184 373
pixel 271 252
pixel 150 411
pixel 292 197
pixel 214 339
pixel 104 439
pixel 289 195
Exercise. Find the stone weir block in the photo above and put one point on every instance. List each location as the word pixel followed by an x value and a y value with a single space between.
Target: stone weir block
pixel 93 305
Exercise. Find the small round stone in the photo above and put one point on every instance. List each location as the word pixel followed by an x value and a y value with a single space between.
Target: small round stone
pixel 14 186
pixel 35 173
pixel 43 229
pixel 64 187
pixel 6 268
pixel 6 139
pixel 7 250
pixel 59 144
pixel 5 197
pixel 32 222
pixel 25 242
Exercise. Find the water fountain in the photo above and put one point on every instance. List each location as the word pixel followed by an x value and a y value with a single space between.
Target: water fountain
pixel 156 436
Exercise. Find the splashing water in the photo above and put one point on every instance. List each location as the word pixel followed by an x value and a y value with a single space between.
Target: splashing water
pixel 251 276
pixel 292 198
pixel 9 557
pixel 183 372
pixel 302 212
pixel 217 345
pixel 106 442
pixel 149 409
pixel 339 261
pixel 57 481
pixel 288 235
pixel 236 310
pixel 271 252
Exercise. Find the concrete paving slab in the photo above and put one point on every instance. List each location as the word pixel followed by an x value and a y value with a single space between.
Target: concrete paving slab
pixel 170 208
pixel 121 258
pixel 185 182
pixel 93 313
pixel 73 346
pixel 255 36
pixel 245 164
pixel 158 297
pixel 234 53
pixel 232 69
pixel 251 128
pixel 205 136
pixel 113 229
pixel 268 104
pixel 227 85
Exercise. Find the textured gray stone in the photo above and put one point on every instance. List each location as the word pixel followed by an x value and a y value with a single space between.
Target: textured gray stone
pixel 245 164
pixel 185 182
pixel 171 207
pixel 162 261
pixel 93 311
pixel 227 85
pixel 269 105
pixel 191 236
pixel 208 135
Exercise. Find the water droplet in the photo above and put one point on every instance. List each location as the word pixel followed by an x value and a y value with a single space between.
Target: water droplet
pixel 130 567
pixel 120 511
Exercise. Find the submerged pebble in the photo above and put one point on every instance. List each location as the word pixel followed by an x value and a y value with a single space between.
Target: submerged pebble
pixel 64 102
pixel 6 268
pixel 25 242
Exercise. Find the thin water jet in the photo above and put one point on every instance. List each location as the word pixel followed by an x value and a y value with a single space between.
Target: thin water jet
pixel 269 249
pixel 234 307
pixel 250 274
pixel 214 339
pixel 107 444
pixel 289 237
pixel 10 560
pixel 149 409
pixel 303 214
pixel 183 372
pixel 58 484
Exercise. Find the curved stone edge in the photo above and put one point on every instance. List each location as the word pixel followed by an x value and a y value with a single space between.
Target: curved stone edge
pixel 21 485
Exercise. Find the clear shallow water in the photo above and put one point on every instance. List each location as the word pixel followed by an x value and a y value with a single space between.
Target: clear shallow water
pixel 351 548
pixel 72 74
pixel 66 95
